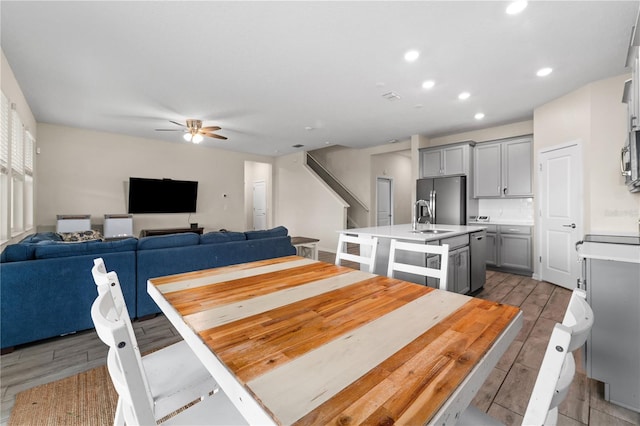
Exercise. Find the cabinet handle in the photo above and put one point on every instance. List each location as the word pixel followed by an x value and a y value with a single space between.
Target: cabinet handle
pixel 504 191
pixel 623 168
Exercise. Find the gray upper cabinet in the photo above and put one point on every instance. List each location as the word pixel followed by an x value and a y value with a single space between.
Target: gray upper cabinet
pixel 452 160
pixel 487 164
pixel 503 169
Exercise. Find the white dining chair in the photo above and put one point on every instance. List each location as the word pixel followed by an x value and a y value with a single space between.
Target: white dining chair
pixel 426 249
pixel 368 248
pixel 556 372
pixel 156 385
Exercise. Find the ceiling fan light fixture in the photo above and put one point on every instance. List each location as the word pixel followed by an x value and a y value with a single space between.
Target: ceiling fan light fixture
pixel 197 138
pixel 187 137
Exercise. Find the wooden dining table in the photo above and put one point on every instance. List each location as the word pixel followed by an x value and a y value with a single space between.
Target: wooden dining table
pixel 297 341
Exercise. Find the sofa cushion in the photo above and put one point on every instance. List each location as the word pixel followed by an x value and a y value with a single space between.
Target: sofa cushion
pixel 21 251
pixel 279 231
pixel 167 241
pixel 55 250
pixel 42 236
pixel 222 237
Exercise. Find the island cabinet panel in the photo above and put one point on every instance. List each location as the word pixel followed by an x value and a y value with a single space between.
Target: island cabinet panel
pixel 455 236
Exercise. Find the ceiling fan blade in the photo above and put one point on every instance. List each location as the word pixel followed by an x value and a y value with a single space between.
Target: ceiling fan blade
pixel 213 135
pixel 210 128
pixel 175 122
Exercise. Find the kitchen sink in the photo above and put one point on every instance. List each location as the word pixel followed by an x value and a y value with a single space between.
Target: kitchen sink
pixel 431 231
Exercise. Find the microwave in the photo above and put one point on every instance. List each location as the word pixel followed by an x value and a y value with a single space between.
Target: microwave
pixel 630 162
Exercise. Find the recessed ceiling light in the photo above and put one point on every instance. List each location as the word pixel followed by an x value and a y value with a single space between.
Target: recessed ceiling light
pixel 411 55
pixel 464 95
pixel 418 106
pixel 543 72
pixel 428 84
pixel 479 116
pixel 516 7
pixel 308 128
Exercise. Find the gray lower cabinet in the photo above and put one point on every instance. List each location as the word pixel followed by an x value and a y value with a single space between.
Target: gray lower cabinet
pixel 492 248
pixel 510 248
pixel 458 270
pixel 613 348
pixel 458 279
pixel 515 251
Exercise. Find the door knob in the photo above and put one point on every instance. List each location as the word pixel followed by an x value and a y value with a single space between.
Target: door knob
pixel 572 226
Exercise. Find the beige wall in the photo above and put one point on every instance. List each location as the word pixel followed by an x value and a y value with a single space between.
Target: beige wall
pixel 12 91
pixel 349 166
pixel 305 204
pixel 356 170
pixel 82 171
pixel 595 117
pixel 612 207
pixel 487 134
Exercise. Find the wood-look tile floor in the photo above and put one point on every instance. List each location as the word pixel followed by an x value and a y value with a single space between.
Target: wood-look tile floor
pixel 504 395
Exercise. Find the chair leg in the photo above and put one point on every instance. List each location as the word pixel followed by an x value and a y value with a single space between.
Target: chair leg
pixel 119 417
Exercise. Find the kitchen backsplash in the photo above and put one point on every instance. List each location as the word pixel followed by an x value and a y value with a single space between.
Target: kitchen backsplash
pixel 512 209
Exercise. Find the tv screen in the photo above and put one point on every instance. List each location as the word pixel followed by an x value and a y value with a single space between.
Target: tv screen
pixel 162 195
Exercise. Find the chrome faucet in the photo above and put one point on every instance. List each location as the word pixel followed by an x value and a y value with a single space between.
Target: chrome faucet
pixel 416 217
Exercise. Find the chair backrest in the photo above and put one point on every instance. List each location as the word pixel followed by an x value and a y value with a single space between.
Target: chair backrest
pixel 578 318
pixel 368 249
pixel 566 338
pixel 554 379
pixel 113 325
pixel 440 274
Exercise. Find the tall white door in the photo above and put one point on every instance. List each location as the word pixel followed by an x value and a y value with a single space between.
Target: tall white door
pixel 560 194
pixel 259 205
pixel 384 196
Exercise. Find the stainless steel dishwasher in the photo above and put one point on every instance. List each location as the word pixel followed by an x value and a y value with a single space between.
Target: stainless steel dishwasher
pixel 478 254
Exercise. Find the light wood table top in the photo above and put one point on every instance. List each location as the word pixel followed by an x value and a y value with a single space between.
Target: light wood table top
pixel 296 341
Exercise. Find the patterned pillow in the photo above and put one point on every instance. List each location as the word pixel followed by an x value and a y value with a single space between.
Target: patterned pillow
pixel 74 237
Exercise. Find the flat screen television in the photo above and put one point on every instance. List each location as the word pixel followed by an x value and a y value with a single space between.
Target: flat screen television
pixel 162 195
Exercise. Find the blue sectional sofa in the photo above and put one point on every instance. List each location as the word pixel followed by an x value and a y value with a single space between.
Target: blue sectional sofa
pixel 46 288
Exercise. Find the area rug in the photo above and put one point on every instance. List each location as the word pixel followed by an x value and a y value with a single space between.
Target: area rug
pixel 84 399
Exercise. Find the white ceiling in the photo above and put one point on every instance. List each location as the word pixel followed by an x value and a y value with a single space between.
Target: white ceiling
pixel 264 71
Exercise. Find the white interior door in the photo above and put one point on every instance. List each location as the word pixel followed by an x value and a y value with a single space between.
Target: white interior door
pixel 560 194
pixel 384 199
pixel 259 205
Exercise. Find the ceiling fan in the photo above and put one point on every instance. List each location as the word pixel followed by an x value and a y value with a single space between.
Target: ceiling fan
pixel 194 132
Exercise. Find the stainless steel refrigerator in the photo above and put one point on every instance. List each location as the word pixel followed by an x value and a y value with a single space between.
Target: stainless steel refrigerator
pixel 447 198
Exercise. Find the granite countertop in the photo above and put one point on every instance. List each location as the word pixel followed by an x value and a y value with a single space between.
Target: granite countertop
pixel 404 231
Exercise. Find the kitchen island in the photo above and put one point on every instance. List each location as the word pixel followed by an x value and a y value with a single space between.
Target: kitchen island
pixel 467 258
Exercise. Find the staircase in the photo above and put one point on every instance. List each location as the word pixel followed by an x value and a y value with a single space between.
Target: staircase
pixel 357 212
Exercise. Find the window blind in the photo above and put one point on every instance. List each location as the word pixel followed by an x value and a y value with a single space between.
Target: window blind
pixel 4 134
pixel 17 144
pixel 28 154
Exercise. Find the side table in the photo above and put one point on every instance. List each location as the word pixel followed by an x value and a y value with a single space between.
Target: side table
pixel 306 247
